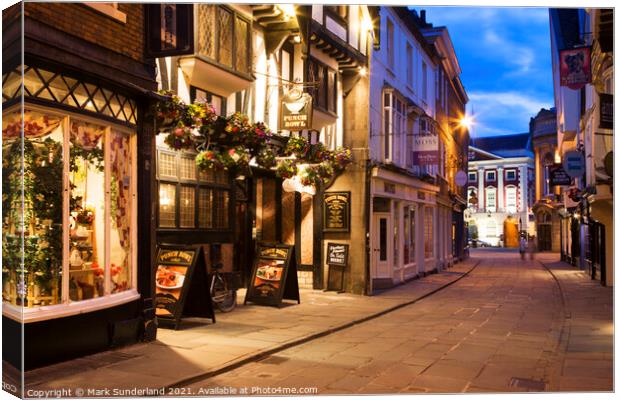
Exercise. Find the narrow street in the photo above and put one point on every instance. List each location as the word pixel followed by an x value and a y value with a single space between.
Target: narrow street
pixel 502 328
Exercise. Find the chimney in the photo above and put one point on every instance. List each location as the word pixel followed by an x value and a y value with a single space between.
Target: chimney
pixel 423 16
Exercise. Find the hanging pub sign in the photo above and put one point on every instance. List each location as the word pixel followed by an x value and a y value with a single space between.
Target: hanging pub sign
pixel 296 110
pixel 574 163
pixel 274 276
pixel 425 149
pixel 337 260
pixel 336 211
pixel 606 113
pixel 169 29
pixel 558 177
pixel 575 67
pixel 181 288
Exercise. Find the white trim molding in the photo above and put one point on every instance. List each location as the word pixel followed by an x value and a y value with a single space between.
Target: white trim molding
pixel 43 313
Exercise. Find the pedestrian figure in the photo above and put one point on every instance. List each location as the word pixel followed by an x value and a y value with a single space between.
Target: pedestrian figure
pixel 531 248
pixel 522 247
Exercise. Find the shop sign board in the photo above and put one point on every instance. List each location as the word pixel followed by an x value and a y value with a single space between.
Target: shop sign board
pixel 336 211
pixel 296 110
pixel 575 67
pixel 574 163
pixel 170 29
pixel 606 115
pixel 558 177
pixel 181 287
pixel 337 260
pixel 274 276
pixel 425 150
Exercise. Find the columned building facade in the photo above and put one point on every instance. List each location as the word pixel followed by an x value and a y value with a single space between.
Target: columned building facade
pixel 500 189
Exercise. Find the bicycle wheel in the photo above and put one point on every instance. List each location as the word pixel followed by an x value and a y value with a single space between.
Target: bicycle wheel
pixel 225 298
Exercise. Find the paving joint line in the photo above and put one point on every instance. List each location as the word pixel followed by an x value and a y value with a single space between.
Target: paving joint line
pixel 268 352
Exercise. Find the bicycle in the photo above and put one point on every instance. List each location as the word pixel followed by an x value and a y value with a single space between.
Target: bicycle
pixel 223 294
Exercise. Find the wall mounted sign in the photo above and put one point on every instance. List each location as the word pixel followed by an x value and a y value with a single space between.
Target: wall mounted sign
pixel 575 67
pixel 337 260
pixel 460 178
pixel 296 110
pixel 336 211
pixel 273 277
pixel 181 288
pixel 425 150
pixel 606 113
pixel 574 163
pixel 558 177
pixel 169 29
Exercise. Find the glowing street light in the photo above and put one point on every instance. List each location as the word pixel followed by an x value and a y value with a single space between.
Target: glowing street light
pixel 467 121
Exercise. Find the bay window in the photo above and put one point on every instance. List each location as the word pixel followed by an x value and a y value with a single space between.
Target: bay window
pixel 224 37
pixel 72 208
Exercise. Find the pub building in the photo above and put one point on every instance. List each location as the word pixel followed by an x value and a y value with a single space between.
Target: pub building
pixel 252 60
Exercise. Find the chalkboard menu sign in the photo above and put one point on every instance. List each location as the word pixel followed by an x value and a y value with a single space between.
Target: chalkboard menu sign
pixel 337 254
pixel 336 211
pixel 274 276
pixel 181 287
pixel 337 260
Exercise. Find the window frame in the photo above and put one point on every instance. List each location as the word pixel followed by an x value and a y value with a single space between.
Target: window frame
pixel 218 42
pixel 391 55
pixel 320 92
pixel 197 185
pixel 475 175
pixel 486 176
pixel 66 307
pixel 511 171
pixel 488 190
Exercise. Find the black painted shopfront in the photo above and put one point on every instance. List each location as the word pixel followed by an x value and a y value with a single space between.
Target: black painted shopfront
pixel 87 228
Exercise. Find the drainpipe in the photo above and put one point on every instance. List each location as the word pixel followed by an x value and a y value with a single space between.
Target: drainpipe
pixel 368 168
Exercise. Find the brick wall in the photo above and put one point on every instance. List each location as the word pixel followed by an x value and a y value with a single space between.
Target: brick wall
pixel 82 21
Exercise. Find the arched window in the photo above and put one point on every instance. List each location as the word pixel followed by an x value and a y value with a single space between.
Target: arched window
pixel 511 199
pixel 472 197
pixel 491 199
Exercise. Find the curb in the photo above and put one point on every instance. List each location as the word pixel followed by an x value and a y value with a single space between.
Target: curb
pixel 296 342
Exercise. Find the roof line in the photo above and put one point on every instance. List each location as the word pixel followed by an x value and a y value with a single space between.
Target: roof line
pixel 485 152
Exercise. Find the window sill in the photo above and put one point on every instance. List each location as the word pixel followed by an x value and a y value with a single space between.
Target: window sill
pixel 109 11
pixel 36 314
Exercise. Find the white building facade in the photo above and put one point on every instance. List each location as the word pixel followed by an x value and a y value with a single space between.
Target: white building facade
pixel 500 189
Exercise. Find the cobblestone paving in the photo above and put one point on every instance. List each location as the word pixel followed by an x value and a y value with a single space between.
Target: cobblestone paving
pixel 501 329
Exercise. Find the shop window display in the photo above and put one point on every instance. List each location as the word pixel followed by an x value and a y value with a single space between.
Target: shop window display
pixel 77 217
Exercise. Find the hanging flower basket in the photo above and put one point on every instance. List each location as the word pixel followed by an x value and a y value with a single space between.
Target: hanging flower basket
pixel 231 142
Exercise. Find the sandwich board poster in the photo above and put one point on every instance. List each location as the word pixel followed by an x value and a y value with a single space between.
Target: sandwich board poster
pixel 274 276
pixel 181 287
pixel 337 260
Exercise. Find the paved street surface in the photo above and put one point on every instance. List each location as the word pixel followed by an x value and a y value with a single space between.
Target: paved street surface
pixel 503 328
pixel 507 326
pixel 249 332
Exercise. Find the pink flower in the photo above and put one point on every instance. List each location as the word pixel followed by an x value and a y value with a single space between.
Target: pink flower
pixel 179 132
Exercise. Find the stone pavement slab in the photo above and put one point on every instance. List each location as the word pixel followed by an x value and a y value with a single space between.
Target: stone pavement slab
pixel 201 349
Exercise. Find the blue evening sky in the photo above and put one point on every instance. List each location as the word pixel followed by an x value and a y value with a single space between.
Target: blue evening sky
pixel 505 58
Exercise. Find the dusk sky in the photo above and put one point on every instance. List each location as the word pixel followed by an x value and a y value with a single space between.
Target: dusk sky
pixel 504 54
